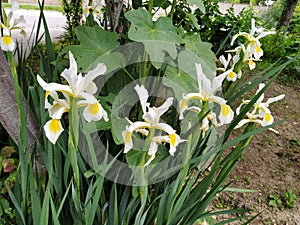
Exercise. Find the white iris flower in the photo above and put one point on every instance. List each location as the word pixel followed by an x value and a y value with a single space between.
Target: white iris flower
pixel 253 51
pixel 232 75
pixel 260 114
pixel 9 24
pixel 80 88
pixel 207 89
pixel 151 117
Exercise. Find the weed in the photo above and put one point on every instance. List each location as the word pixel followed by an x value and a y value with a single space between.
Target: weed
pixel 259 200
pixel 248 180
pixel 276 201
pixel 276 173
pixel 268 221
pixel 290 199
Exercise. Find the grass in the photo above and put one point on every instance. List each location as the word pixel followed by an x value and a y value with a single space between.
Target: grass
pixel 36 7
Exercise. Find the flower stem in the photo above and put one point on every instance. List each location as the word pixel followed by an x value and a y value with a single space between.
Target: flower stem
pixel 150 6
pixel 23 136
pixel 173 9
pixel 203 111
pixel 17 87
pixel 73 141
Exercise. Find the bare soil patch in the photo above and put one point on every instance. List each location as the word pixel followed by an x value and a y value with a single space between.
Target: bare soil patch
pixel 271 165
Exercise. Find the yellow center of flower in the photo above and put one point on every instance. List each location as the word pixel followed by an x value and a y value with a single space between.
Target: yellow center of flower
pixel 225 110
pixel 172 139
pixel 252 41
pixel 54 126
pixel 267 117
pixel 183 104
pixel 231 75
pixel 127 137
pixel 94 109
pixel 258 49
pixel 7 40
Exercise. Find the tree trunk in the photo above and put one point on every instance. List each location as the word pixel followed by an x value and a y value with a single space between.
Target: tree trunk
pixel 287 14
pixel 9 108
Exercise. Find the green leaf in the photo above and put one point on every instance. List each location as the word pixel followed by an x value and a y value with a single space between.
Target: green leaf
pixel 198 3
pixel 193 19
pixel 113 206
pixel 95 46
pixel 203 50
pixel 54 212
pixel 133 157
pixel 175 77
pixel 185 75
pixel 16 204
pixel 92 200
pixel 45 207
pixel 159 38
pixel 196 51
pixel 124 100
pixel 239 190
pixel 36 207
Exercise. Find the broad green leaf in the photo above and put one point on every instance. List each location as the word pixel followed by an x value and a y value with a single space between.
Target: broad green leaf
pixel 198 3
pixel 94 126
pixel 159 37
pixel 185 75
pixel 95 46
pixel 196 51
pixel 203 50
pixel 180 81
pixel 121 107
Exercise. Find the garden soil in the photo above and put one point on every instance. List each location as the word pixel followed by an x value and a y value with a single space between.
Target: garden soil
pixel 271 166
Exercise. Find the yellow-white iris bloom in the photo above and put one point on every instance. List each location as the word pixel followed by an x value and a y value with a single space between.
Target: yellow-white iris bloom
pixel 260 114
pixel 151 117
pixel 9 24
pixel 81 88
pixel 53 130
pixel 96 10
pixel 7 44
pixel 207 89
pixel 248 57
pixel 232 75
pixel 225 62
pixel 254 46
pixel 58 106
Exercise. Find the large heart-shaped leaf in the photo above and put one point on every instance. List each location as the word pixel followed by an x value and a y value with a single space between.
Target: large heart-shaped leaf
pixel 95 46
pixel 184 75
pixel 180 81
pixel 207 58
pixel 159 37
